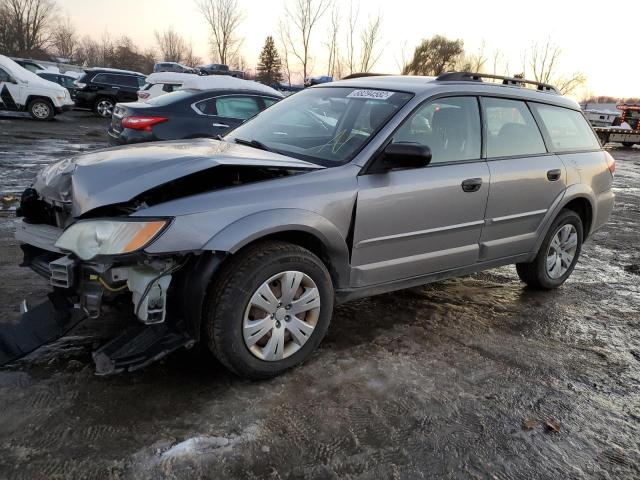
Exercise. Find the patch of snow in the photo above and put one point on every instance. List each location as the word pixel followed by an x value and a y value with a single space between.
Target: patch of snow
pixel 226 82
pixel 115 70
pixel 170 77
pixel 196 446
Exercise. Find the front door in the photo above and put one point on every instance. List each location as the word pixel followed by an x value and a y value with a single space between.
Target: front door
pixel 11 92
pixel 420 221
pixel 525 179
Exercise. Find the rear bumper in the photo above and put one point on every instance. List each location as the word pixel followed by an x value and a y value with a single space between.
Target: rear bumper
pixel 604 207
pixel 128 136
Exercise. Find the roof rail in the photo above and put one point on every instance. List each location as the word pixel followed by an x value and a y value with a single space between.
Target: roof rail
pixel 477 77
pixel 364 74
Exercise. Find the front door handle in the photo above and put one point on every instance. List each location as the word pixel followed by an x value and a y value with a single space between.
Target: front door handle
pixel 471 185
pixel 221 125
pixel 554 175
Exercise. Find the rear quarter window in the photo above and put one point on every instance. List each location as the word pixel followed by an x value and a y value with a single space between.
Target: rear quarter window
pixel 567 129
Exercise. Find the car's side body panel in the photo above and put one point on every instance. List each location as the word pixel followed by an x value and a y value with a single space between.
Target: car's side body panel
pixel 413 222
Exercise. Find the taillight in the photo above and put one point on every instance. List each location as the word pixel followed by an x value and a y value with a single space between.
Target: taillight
pixel 611 163
pixel 143 95
pixel 142 123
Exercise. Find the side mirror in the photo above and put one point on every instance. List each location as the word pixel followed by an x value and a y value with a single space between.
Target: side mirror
pixel 402 155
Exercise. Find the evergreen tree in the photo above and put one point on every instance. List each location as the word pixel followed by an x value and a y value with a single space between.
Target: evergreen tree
pixel 270 65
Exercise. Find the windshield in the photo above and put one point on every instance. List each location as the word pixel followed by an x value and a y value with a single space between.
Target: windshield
pixel 327 126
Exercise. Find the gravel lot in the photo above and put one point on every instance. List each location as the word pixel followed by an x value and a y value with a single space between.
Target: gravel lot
pixel 466 378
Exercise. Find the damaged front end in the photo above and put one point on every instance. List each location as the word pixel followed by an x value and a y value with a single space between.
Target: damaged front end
pixel 105 265
pixel 83 229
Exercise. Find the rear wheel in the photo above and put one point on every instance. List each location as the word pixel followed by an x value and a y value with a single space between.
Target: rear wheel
pixel 103 107
pixel 268 309
pixel 558 254
pixel 41 109
pixel 628 144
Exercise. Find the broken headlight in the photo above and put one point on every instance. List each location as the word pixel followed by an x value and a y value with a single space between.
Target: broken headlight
pixel 108 237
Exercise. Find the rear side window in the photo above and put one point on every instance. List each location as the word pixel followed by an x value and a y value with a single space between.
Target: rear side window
pixel 104 78
pixel 237 107
pixel 268 101
pixel 567 128
pixel 450 127
pixel 511 129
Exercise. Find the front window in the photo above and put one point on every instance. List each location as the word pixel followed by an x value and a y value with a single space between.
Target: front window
pixel 327 126
pixel 4 76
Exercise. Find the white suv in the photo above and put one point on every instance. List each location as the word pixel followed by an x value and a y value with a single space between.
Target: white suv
pixel 22 90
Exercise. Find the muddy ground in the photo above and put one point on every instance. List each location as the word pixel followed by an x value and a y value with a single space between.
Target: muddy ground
pixel 466 378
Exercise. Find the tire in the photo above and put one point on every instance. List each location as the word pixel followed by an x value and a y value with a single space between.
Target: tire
pixel 536 274
pixel 103 107
pixel 229 307
pixel 628 144
pixel 41 109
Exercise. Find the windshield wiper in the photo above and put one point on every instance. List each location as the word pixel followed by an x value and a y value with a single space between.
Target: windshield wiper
pixel 253 143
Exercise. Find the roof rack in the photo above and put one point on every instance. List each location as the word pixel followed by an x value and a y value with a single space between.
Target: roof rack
pixel 477 77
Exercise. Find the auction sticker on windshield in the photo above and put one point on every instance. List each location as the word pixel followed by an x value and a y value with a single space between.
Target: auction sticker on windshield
pixel 373 94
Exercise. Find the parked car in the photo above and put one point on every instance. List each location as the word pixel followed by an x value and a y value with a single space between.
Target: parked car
pixel 173 67
pixel 219 69
pixel 311 81
pixel 22 90
pixel 99 89
pixel 30 65
pixel 65 81
pixel 190 113
pixel 160 83
pixel 341 191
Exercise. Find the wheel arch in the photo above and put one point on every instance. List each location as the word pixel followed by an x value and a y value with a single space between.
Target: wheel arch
pixel 300 227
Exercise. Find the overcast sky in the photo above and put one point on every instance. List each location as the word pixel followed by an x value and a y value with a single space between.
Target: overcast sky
pixel 606 51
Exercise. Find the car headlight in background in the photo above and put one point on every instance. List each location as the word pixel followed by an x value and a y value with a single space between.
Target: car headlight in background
pixel 90 238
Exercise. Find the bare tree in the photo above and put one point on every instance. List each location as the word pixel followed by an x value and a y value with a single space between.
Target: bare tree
pixel 283 35
pixel 544 63
pixel 190 59
pixel 24 29
pixel 370 38
pixel 64 39
pixel 402 59
pixel 352 22
pixel 223 17
pixel 334 28
pixel 173 48
pixel 304 16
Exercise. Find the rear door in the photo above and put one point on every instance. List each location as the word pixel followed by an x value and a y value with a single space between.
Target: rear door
pixel 526 179
pixel 219 115
pixel 425 220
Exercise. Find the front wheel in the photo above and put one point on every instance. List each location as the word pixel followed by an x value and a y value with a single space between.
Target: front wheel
pixel 41 109
pixel 268 309
pixel 558 254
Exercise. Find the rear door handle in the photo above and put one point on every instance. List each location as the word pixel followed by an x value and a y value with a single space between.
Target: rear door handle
pixel 554 175
pixel 221 125
pixel 471 184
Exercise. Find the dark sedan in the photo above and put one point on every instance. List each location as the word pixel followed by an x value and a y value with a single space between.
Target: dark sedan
pixel 185 114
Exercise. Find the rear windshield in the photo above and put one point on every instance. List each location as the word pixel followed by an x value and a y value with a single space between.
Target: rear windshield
pixel 568 129
pixel 169 98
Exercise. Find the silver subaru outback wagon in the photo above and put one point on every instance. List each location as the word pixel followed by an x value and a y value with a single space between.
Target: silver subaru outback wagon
pixel 344 190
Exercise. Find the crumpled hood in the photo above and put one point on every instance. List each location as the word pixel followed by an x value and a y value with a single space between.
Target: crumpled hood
pixel 117 175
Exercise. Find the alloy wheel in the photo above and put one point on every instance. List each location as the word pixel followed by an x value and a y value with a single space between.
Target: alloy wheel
pixel 281 316
pixel 104 108
pixel 41 110
pixel 562 250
